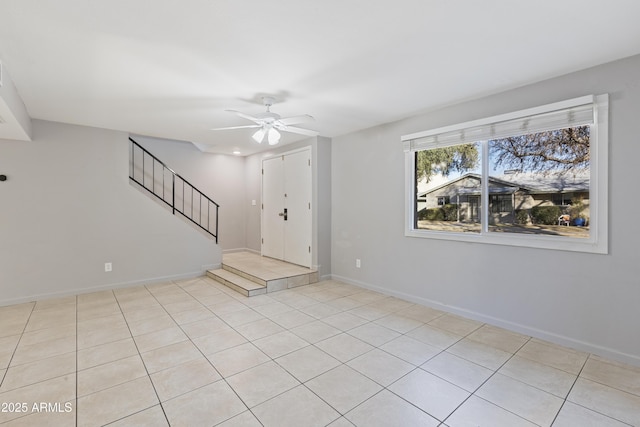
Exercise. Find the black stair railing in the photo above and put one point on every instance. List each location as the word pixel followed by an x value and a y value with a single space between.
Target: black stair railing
pixel 180 195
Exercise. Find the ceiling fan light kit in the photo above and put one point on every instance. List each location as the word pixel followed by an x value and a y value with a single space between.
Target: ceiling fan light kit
pixel 273 136
pixel 270 124
pixel 259 136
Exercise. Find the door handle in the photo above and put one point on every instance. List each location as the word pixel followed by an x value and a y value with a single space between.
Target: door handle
pixel 284 214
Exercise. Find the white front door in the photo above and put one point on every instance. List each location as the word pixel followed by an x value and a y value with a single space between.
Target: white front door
pixel 286 213
pixel 273 208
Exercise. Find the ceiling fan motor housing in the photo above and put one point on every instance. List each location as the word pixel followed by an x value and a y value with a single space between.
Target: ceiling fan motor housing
pixel 268 117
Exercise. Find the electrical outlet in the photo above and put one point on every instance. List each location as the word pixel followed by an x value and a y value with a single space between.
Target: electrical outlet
pixel 108 267
pixel 357 262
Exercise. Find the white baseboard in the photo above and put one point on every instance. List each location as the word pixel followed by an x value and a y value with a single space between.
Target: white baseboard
pixel 230 251
pixel 120 285
pixel 208 267
pixel 552 337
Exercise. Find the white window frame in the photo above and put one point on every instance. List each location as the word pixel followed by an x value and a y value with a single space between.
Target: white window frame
pixel 597 242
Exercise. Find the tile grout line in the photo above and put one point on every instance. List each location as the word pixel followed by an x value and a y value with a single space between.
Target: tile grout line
pixel 419 367
pixel 293 308
pixel 203 355
pixel 564 401
pixel 569 391
pixel 271 359
pixel 611 386
pixel 492 375
pixel 367 321
pixel 15 350
pixel 322 320
pixel 291 374
pixel 43 358
pixel 142 360
pixel 346 332
pixel 487 380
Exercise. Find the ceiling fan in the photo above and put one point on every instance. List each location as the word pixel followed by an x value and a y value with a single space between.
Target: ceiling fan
pixel 269 124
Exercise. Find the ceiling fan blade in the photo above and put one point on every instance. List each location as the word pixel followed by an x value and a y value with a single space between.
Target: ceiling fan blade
pixel 301 131
pixel 305 118
pixel 238 127
pixel 245 116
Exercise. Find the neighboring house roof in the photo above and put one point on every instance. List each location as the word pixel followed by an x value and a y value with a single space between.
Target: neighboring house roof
pixel 541 182
pixel 532 182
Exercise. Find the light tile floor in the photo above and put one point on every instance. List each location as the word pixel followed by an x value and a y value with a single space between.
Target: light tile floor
pixel 194 353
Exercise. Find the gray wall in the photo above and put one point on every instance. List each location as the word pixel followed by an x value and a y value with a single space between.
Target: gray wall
pixel 68 207
pixel 583 300
pixel 253 188
pixel 12 107
pixel 218 176
pixel 322 201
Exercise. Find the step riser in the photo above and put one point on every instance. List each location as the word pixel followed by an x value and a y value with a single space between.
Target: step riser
pixel 236 287
pixel 247 276
pixel 289 282
pixel 277 284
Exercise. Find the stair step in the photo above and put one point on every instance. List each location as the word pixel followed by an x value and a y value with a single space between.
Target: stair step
pixel 237 283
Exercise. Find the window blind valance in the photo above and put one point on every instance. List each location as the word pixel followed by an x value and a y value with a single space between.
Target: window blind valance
pixel 574 112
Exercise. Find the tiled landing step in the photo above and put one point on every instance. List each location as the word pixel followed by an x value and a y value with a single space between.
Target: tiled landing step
pixel 252 274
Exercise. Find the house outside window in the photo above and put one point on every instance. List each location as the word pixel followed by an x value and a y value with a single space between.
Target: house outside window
pixel 508 179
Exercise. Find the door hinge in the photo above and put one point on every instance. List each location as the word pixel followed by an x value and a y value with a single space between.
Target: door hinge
pixel 309 161
pixel 263 206
pixel 263 241
pixel 309 205
pixel 309 249
pixel 262 171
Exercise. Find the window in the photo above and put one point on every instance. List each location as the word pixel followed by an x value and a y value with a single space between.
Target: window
pixel 501 203
pixel 444 200
pixel 562 199
pixel 508 179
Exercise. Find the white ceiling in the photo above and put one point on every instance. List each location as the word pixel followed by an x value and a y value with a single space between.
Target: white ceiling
pixel 169 68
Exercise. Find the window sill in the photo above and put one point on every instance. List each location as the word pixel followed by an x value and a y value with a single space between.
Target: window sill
pixel 531 241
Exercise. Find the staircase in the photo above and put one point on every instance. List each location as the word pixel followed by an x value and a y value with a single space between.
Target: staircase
pixel 252 274
pixel 182 198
